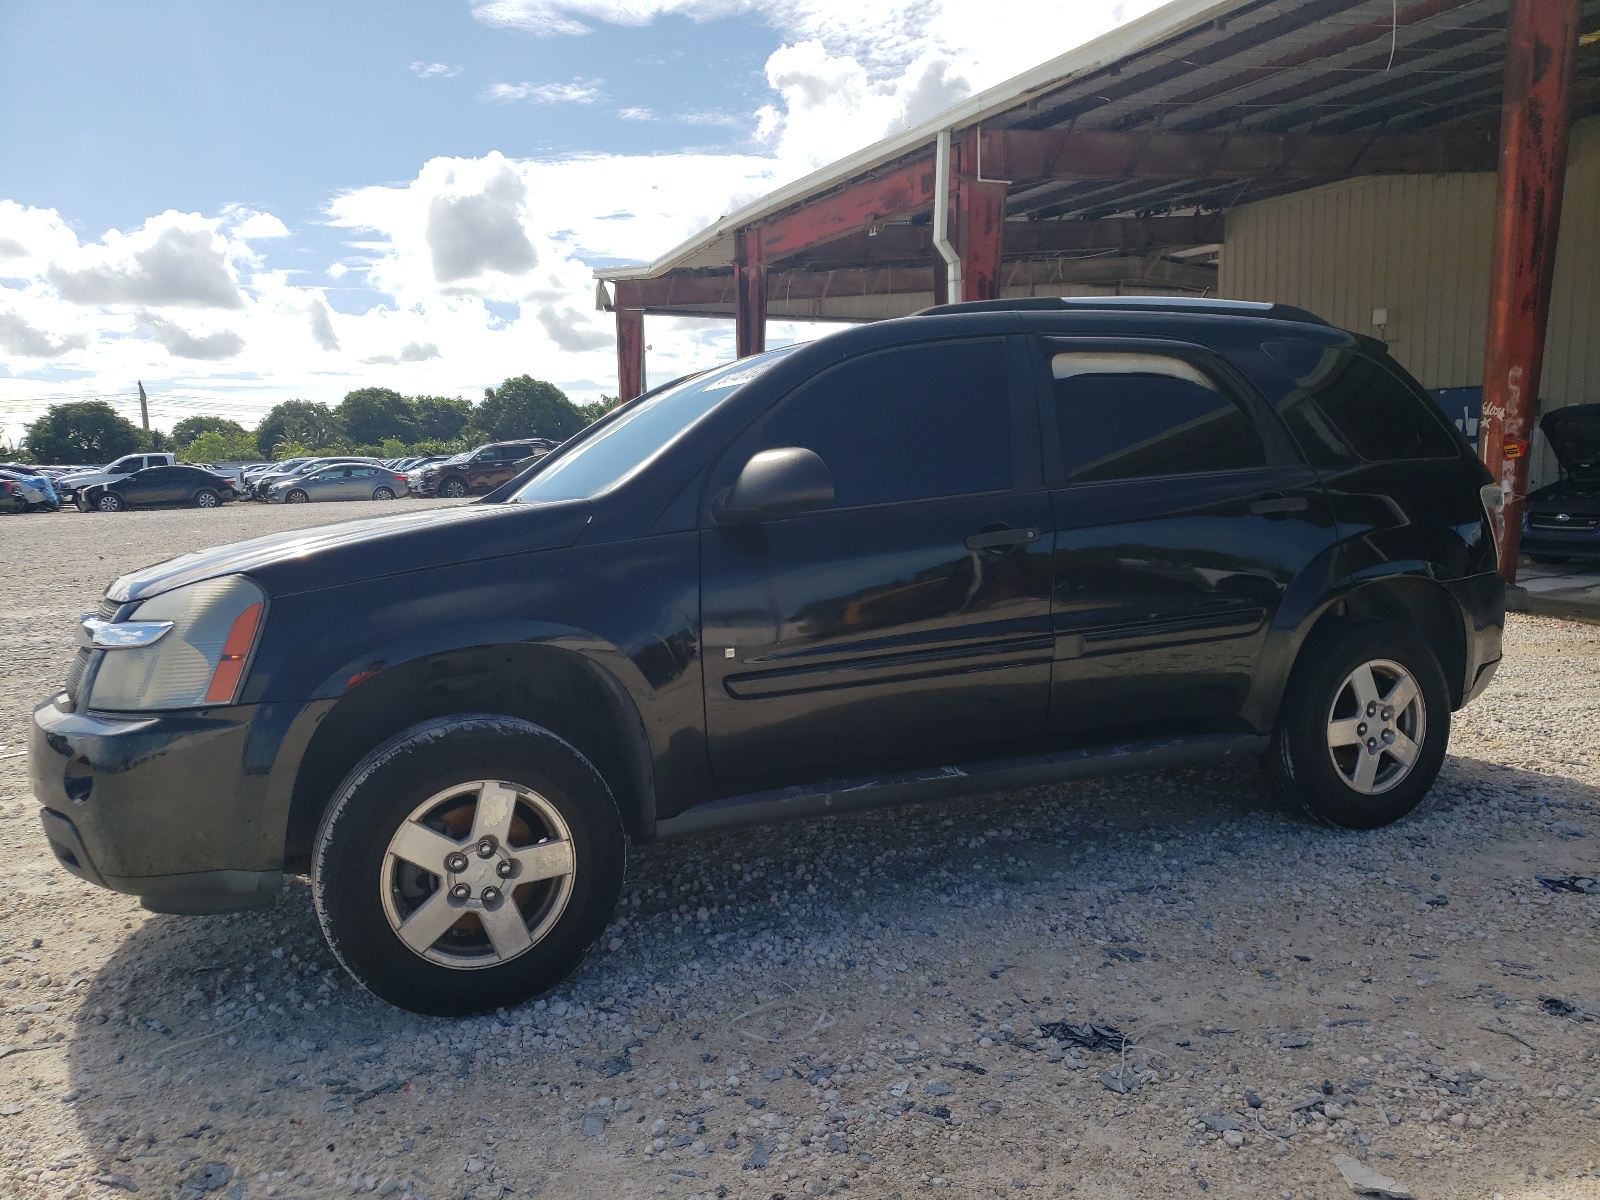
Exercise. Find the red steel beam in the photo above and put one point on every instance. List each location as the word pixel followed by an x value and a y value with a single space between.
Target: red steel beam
pixel 630 340
pixel 1100 154
pixel 980 225
pixel 1535 122
pixel 856 207
pixel 750 294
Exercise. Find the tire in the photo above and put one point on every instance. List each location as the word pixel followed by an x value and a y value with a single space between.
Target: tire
pixel 453 489
pixel 206 498
pixel 445 771
pixel 84 506
pixel 296 496
pixel 383 493
pixel 1348 784
pixel 109 502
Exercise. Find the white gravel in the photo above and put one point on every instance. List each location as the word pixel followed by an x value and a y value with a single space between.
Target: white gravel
pixel 854 1006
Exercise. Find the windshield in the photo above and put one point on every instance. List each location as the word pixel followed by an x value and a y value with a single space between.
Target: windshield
pixel 638 433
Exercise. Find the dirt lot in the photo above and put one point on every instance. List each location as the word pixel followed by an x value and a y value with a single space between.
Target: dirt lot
pixel 860 1006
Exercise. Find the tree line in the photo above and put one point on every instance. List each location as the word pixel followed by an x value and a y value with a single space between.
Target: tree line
pixel 375 421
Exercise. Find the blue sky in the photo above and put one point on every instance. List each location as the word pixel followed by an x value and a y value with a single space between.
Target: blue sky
pixel 240 203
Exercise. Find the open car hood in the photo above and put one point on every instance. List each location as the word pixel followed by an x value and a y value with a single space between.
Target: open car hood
pixel 1574 435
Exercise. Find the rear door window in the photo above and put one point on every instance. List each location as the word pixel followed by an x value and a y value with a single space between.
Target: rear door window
pixel 1133 415
pixel 909 423
pixel 1383 418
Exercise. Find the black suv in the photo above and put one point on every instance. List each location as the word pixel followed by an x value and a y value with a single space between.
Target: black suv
pixel 477 471
pixel 975 549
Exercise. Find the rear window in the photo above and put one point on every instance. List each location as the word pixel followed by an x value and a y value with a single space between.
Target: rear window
pixel 1381 416
pixel 1137 416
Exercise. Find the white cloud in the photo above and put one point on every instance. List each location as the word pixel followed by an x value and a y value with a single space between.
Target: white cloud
pixel 428 70
pixel 482 231
pixel 180 343
pixel 576 92
pixel 322 332
pixel 176 260
pixel 22 339
pixel 633 113
pixel 255 226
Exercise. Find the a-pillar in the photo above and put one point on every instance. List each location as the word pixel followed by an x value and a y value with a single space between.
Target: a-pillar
pixel 1534 125
pixel 630 342
pixel 979 225
pixel 750 294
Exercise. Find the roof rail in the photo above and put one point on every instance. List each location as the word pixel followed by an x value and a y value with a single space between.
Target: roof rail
pixel 1173 304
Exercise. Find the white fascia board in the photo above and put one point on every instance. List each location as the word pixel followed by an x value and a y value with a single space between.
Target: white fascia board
pixel 1167 21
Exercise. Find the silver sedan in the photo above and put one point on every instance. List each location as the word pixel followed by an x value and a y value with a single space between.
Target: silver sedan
pixel 341 481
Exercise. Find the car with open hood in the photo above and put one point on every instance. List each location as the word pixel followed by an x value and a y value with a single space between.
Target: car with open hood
pixel 1562 520
pixel 984 548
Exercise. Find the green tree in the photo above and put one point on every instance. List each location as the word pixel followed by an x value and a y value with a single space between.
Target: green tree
pixel 213 446
pixel 301 421
pixel 83 431
pixel 288 450
pixel 594 410
pixel 186 430
pixel 369 415
pixel 391 448
pixel 527 407
pixel 155 440
pixel 440 418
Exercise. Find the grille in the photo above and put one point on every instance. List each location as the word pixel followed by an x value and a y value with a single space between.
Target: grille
pixel 1576 523
pixel 80 663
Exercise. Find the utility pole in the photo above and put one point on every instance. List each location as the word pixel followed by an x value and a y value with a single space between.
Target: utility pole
pixel 144 408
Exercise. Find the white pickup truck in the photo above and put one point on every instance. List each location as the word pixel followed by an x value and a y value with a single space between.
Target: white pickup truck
pixel 67 486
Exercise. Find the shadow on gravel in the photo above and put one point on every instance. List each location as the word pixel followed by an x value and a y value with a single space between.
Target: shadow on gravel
pixel 238 1041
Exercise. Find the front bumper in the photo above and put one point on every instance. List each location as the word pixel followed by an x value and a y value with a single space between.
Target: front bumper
pixel 187 811
pixel 1560 543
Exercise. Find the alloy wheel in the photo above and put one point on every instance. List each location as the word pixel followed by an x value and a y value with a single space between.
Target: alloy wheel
pixel 1376 726
pixel 478 874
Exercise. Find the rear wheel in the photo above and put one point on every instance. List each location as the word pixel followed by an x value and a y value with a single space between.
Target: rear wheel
pixel 453 489
pixel 109 502
pixel 383 493
pixel 206 498
pixel 467 864
pixel 1364 726
pixel 296 496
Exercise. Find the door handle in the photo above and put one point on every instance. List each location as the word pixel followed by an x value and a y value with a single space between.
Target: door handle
pixel 1001 539
pixel 1268 505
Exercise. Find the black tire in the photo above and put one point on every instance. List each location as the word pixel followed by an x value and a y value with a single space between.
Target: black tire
pixel 84 505
pixel 1301 765
pixel 355 882
pixel 383 493
pixel 206 498
pixel 453 488
pixel 108 502
pixel 296 496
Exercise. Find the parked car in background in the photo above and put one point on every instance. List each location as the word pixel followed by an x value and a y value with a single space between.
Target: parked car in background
pixel 12 496
pixel 68 486
pixel 254 476
pixel 987 547
pixel 1562 520
pixel 339 481
pixel 37 491
pixel 159 486
pixel 264 483
pixel 477 471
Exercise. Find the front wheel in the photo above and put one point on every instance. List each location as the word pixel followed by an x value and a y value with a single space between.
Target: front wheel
pixel 296 496
pixel 1364 726
pixel 467 864
pixel 383 493
pixel 453 489
pixel 110 502
pixel 206 498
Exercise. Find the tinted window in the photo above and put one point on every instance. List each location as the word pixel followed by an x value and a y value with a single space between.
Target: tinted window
pixel 1382 417
pixel 363 471
pixel 905 424
pixel 1131 416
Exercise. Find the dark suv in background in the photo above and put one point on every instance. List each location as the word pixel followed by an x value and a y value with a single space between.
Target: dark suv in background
pixel 980 548
pixel 477 471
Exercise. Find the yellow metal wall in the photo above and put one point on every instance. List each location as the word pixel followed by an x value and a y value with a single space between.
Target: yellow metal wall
pixel 1418 246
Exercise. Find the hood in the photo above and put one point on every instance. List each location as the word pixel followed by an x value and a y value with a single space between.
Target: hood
pixel 1574 435
pixel 305 560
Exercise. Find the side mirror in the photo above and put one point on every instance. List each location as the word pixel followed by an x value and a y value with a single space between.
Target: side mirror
pixel 775 484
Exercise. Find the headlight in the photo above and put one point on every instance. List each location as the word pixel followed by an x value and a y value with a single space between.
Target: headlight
pixel 198 661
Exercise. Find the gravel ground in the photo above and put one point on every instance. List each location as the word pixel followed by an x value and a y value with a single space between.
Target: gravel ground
pixel 874 1005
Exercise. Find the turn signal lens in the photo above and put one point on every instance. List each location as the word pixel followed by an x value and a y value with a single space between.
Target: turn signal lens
pixel 1494 507
pixel 225 679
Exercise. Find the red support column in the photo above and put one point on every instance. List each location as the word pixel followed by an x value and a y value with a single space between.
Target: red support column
pixel 630 342
pixel 980 217
pixel 750 294
pixel 1534 125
